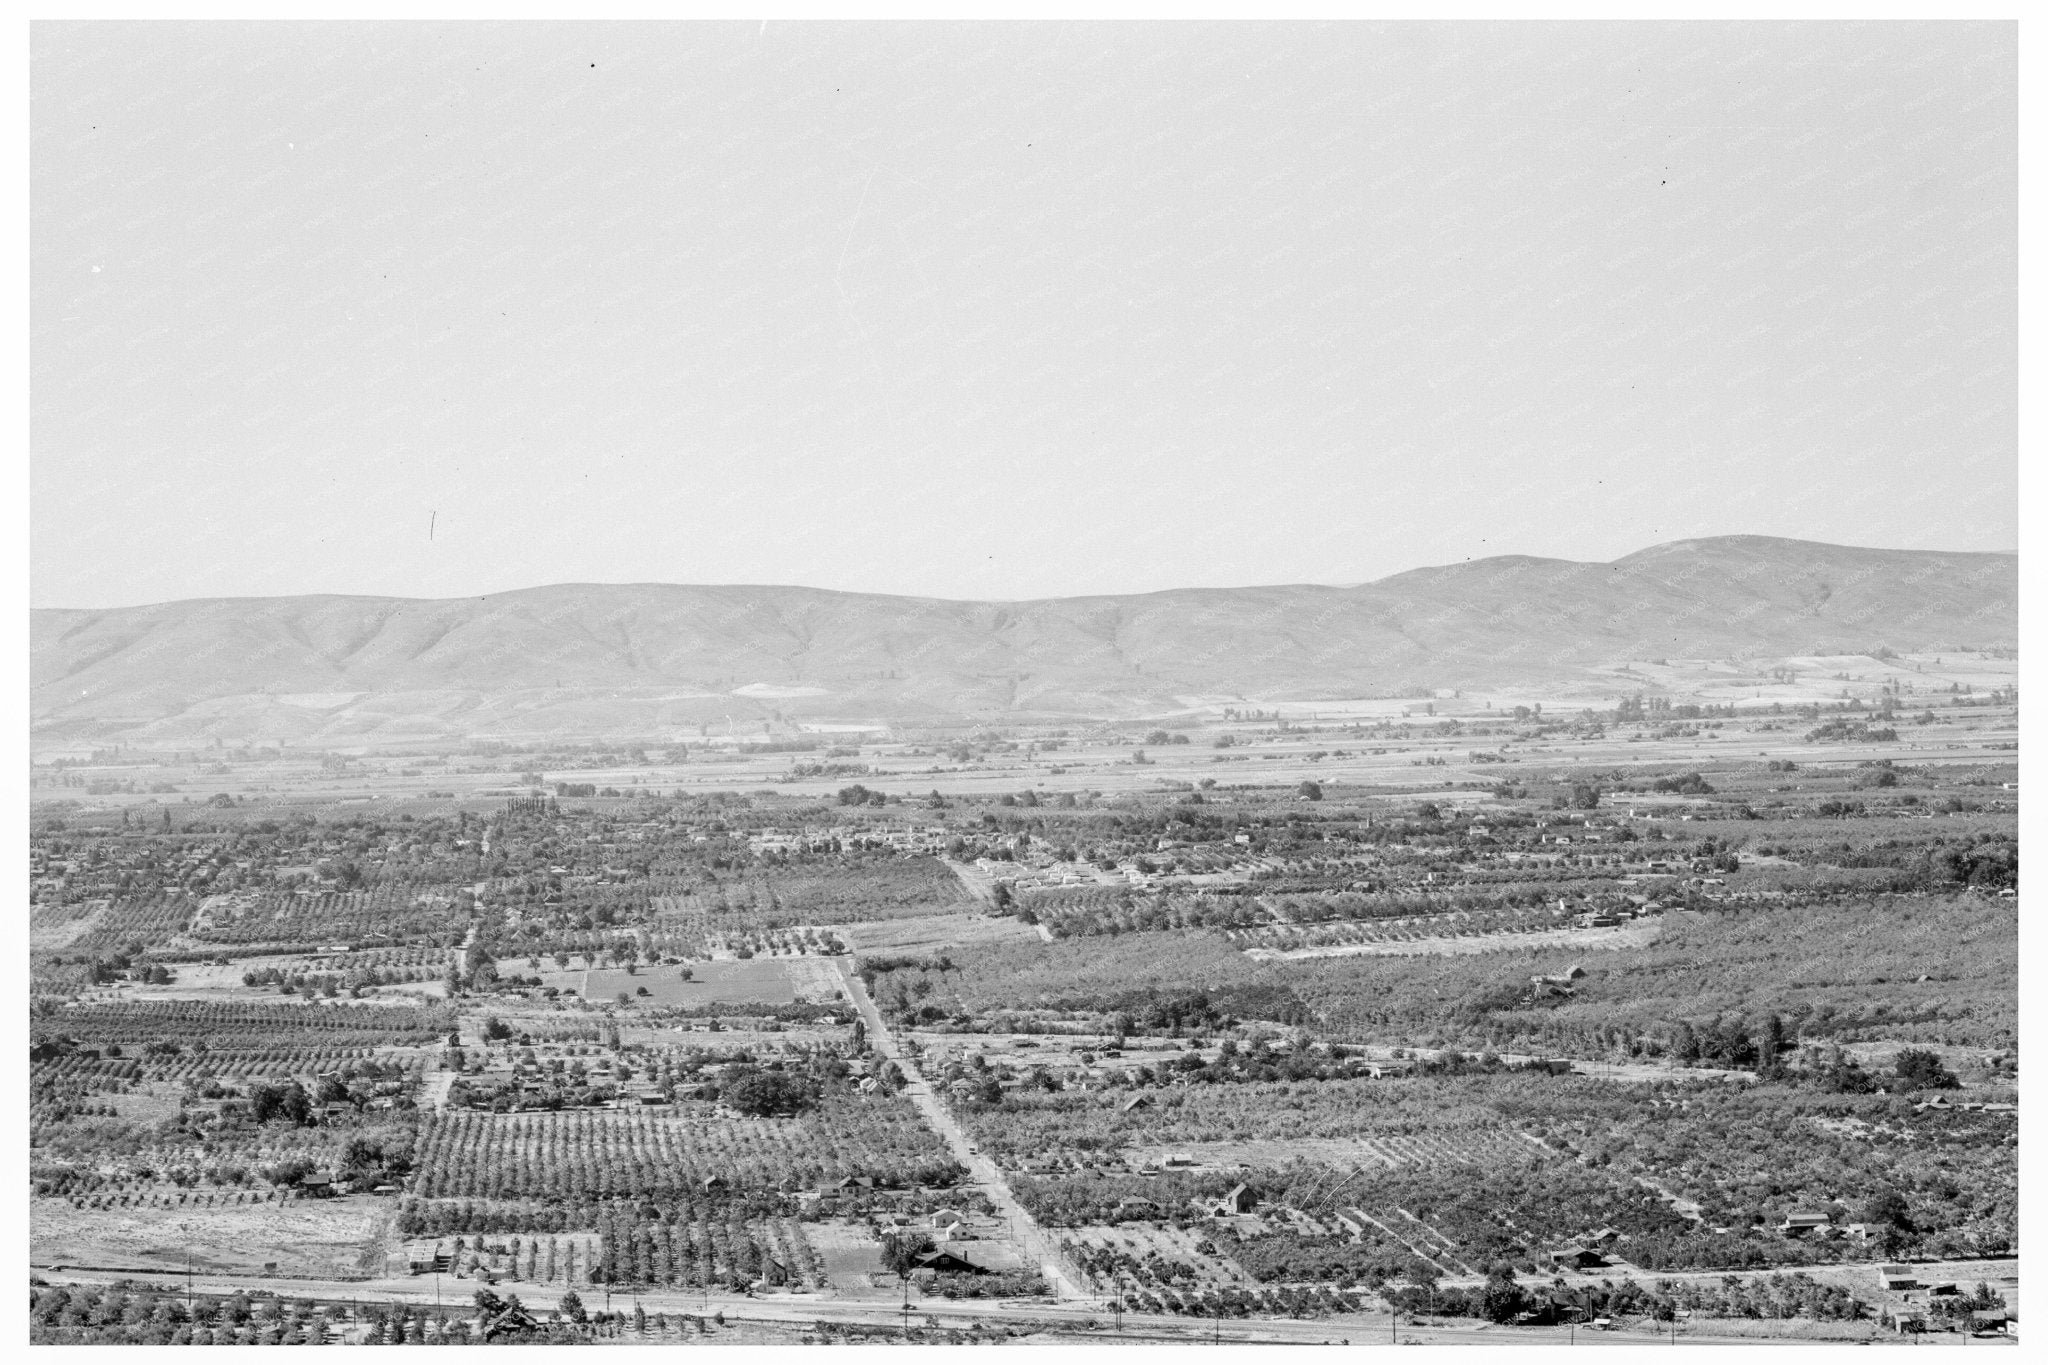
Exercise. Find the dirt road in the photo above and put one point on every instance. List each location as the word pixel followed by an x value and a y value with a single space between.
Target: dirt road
pixel 982 1171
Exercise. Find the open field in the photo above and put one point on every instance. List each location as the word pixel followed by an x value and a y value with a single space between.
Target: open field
pixel 936 932
pixel 763 981
pixel 342 1237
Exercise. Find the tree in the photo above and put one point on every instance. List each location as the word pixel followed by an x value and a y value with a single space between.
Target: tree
pixel 289 1102
pixel 760 1093
pixel 1502 1298
pixel 1311 791
pixel 1770 1046
pixel 901 1250
pixel 1919 1069
pixel 1888 1209
pixel 572 1308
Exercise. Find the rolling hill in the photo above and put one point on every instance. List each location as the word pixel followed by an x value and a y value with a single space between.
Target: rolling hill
pixel 648 659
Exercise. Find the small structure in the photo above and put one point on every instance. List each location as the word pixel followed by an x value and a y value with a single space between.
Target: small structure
pixel 1803 1221
pixel 1577 1258
pixel 509 1320
pixel 1240 1200
pixel 1902 1318
pixel 1137 1101
pixel 1991 1321
pixel 1897 1279
pixel 1138 1208
pixel 948 1263
pixel 319 1184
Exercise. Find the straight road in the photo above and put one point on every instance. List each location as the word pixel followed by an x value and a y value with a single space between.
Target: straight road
pixel 983 1171
pixel 1074 1320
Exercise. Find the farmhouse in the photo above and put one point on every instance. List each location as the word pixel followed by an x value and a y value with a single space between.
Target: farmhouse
pixel 1239 1200
pixel 948 1263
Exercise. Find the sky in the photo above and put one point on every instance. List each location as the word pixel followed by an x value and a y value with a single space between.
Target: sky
pixel 1004 311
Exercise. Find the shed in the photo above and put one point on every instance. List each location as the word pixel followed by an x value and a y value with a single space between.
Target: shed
pixel 1902 1318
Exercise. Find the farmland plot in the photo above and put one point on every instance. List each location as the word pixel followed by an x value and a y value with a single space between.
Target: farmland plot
pixel 935 932
pixel 755 981
pixel 341 1238
pixel 589 1156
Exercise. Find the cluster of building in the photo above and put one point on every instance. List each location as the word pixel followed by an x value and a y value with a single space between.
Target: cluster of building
pixel 927 839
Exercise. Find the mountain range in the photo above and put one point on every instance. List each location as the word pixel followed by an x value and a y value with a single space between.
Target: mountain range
pixel 652 660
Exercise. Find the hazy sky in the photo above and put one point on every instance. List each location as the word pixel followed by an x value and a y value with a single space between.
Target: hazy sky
pixel 1004 311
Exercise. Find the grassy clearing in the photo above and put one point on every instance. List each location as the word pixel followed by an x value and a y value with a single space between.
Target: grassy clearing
pixel 755 981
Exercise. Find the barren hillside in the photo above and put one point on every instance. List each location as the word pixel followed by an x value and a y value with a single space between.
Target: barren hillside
pixel 640 658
